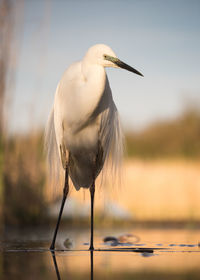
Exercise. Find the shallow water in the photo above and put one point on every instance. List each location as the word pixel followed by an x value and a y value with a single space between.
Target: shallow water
pixel 137 254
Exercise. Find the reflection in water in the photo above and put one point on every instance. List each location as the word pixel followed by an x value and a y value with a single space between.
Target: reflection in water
pixel 145 252
pixel 57 269
pixel 26 256
pixel 55 265
pixel 91 265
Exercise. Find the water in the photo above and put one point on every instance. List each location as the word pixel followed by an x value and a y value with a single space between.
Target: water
pixel 137 254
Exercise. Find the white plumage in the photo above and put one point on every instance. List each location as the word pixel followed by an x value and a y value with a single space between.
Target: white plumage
pixel 84 123
pixel 83 131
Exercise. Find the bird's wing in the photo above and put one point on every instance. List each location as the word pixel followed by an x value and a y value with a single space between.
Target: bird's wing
pixel 57 155
pixel 110 134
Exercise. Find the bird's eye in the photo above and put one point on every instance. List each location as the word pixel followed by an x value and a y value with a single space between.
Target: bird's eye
pixel 104 56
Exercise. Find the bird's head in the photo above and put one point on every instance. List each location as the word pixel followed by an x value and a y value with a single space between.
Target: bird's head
pixel 104 55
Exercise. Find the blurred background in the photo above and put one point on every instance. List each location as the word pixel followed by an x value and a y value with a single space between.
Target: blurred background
pixel 160 113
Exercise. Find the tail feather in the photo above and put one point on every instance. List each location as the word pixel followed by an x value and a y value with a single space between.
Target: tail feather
pixel 55 168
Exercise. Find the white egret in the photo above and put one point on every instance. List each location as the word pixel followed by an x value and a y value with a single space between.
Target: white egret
pixel 84 128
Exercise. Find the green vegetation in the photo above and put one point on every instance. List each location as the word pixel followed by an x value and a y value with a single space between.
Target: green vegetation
pixel 172 138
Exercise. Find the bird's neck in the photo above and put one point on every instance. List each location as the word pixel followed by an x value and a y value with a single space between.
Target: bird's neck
pixel 94 76
pixel 93 72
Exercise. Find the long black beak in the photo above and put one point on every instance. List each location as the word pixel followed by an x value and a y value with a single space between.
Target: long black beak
pixel 121 64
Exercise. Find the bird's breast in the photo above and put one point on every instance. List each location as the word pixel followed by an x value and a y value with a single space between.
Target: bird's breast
pixel 80 93
pixel 83 150
pixel 82 139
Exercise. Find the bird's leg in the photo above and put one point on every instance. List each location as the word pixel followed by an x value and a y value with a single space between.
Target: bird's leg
pixel 65 193
pixel 92 191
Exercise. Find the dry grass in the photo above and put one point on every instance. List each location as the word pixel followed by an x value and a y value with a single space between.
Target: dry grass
pixel 151 190
pixel 155 190
pixel 24 180
pixel 162 189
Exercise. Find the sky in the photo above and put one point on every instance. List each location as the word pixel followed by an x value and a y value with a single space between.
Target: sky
pixel 159 38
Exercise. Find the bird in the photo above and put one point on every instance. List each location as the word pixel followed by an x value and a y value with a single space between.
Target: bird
pixel 83 131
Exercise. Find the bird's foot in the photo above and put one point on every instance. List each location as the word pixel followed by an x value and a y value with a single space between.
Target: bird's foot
pixel 91 248
pixel 52 247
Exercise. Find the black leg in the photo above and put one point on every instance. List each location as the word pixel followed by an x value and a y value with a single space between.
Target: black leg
pixel 65 193
pixel 92 191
